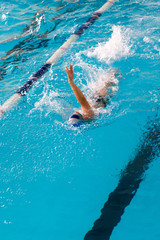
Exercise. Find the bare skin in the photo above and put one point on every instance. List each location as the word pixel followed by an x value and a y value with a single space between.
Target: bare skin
pixel 86 109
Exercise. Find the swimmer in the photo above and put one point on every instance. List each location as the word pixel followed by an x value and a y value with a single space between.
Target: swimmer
pixel 87 111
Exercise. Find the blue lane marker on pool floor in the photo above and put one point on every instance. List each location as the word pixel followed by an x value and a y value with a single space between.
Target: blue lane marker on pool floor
pixel 129 182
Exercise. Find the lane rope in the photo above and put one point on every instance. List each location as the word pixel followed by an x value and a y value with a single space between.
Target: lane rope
pixel 22 91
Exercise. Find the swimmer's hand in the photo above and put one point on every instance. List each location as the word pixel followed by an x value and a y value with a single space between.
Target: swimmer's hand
pixel 70 73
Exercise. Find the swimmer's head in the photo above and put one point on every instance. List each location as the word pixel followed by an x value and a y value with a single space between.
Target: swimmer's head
pixel 74 122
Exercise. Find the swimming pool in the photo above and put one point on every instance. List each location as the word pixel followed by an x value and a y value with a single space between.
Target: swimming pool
pixel 56 180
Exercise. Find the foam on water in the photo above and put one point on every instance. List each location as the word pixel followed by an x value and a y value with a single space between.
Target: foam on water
pixel 117 47
pixel 53 102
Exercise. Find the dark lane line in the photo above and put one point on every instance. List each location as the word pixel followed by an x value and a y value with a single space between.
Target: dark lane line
pixel 129 182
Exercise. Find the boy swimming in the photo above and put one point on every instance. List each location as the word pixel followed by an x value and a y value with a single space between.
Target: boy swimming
pixel 87 110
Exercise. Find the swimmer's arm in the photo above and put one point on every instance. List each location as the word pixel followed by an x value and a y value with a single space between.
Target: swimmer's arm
pixel 77 92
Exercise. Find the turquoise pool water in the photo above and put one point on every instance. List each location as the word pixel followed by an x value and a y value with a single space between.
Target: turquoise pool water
pixel 54 180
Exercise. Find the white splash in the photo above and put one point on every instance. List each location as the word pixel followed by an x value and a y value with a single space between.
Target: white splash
pixel 115 48
pixel 103 79
pixel 53 102
pixel 4 17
